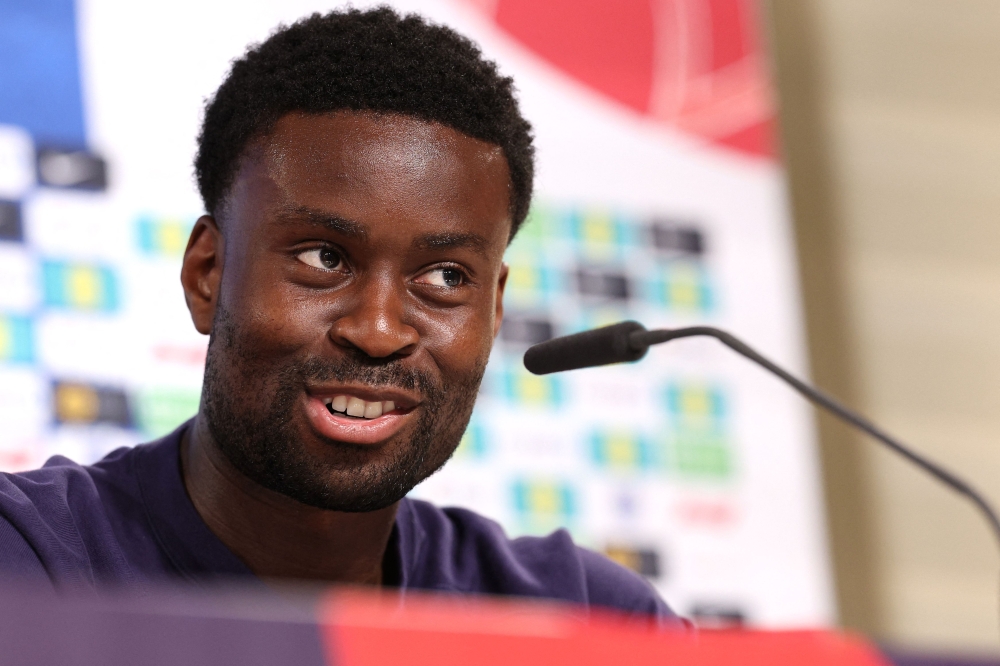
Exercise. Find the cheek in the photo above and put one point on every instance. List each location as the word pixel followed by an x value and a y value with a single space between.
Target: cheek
pixel 460 339
pixel 274 318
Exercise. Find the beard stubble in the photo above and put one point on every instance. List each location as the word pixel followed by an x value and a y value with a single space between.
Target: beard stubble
pixel 258 434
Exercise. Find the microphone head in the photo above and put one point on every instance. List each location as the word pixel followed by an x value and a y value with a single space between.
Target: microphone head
pixel 600 346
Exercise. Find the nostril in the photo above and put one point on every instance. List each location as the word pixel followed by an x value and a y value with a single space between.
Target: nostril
pixel 375 341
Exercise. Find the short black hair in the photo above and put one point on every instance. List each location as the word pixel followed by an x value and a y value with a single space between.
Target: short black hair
pixel 355 60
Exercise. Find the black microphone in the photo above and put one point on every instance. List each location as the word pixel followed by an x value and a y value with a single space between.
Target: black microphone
pixel 601 346
pixel 629 341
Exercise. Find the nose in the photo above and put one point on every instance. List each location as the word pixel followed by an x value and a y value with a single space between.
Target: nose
pixel 374 321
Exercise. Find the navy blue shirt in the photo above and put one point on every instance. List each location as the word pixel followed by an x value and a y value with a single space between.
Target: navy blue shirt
pixel 128 520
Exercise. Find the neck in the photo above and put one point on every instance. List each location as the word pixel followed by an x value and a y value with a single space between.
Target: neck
pixel 274 535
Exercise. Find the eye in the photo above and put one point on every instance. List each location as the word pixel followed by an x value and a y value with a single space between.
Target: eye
pixel 324 258
pixel 443 277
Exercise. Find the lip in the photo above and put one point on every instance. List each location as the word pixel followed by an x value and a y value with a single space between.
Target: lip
pixel 353 430
pixel 403 399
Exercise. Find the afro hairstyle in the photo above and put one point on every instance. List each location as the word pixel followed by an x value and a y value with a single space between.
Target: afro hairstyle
pixel 355 60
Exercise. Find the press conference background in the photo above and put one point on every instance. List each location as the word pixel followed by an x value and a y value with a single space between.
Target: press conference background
pixel 659 198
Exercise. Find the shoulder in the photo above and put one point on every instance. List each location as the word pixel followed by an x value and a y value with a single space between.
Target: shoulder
pixel 464 551
pixel 54 523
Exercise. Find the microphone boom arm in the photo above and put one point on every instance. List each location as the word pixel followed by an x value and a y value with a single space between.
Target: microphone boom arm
pixel 639 340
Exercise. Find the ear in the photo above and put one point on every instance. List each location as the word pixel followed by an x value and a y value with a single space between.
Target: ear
pixel 201 273
pixel 501 283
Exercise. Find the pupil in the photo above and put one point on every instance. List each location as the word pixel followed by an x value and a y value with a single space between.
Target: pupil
pixel 329 258
pixel 452 278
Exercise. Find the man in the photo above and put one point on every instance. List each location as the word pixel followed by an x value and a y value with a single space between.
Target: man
pixel 364 173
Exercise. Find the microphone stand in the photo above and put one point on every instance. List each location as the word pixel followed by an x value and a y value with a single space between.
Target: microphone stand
pixel 629 341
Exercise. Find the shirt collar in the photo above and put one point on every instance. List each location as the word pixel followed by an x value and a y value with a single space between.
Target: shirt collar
pixel 190 545
pixel 409 538
pixel 198 554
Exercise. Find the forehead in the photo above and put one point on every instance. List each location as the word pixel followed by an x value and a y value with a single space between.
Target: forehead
pixel 360 165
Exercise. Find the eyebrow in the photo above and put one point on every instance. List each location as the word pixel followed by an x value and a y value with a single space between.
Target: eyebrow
pixel 452 240
pixel 326 220
pixel 351 228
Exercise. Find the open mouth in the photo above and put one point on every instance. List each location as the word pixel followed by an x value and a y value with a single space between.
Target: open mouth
pixel 359 416
pixel 356 408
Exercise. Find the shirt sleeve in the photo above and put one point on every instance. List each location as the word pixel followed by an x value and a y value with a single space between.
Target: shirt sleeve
pixel 610 585
pixel 52 525
pixel 18 560
pixel 459 550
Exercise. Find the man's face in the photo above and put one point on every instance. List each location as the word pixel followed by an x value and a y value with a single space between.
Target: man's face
pixel 355 306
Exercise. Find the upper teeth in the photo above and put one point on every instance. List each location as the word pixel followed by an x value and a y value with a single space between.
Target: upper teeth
pixel 348 404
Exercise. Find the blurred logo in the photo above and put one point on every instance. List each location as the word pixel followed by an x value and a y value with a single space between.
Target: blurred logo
pixel 706 513
pixel 696 405
pixel 161 409
pixel 682 285
pixel 11 227
pixel 78 403
pixel 602 284
pixel 473 445
pixel 544 505
pixel 16 339
pixel 523 388
pixel 675 239
pixel 543 222
pixel 520 329
pixel 79 286
pixel 165 237
pixel 69 168
pixel 644 561
pixel 701 455
pixel 192 355
pixel 599 234
pixel 529 281
pixel 622 450
pixel 713 615
pixel 697 442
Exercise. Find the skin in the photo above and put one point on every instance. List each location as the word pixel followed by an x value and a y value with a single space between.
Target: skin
pixel 408 199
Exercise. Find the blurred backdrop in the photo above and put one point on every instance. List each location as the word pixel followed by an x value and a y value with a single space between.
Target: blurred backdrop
pixel 662 196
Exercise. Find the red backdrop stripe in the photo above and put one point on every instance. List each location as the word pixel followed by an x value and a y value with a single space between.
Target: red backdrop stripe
pixel 695 65
pixel 606 45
